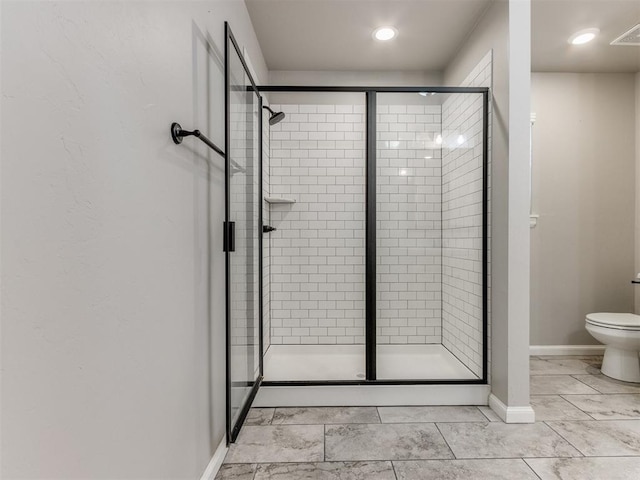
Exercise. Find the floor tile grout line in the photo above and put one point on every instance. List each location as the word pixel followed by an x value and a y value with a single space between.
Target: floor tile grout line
pixel 483 420
pixel 393 468
pixel 594 388
pixel 433 459
pixel 323 423
pixel 531 468
pixel 583 411
pixel 273 416
pixel 562 437
pixel 445 440
pixel 600 419
pixel 601 394
pixel 637 419
pixel 505 458
pixel 560 395
pixel 484 414
pixel 324 443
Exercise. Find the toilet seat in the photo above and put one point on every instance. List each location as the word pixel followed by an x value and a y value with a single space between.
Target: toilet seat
pixel 618 321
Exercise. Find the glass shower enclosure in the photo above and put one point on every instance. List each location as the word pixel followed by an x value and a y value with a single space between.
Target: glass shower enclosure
pixel 377 270
pixel 378 273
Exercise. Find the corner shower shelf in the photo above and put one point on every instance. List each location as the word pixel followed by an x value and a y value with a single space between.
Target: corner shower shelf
pixel 275 200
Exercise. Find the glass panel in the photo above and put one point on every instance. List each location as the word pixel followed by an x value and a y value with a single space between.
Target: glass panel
pixel 428 214
pixel 462 222
pixel 244 195
pixel 317 276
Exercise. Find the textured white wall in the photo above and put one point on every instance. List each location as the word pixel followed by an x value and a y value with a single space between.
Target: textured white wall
pixel 113 273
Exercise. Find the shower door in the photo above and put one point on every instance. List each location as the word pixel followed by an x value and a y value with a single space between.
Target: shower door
pixel 243 240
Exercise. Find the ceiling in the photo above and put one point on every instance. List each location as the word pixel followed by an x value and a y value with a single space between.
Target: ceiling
pixel 337 34
pixel 553 21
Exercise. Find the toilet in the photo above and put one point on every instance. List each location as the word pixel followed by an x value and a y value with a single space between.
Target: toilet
pixel 620 333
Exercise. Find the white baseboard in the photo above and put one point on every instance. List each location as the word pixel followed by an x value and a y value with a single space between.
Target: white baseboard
pixel 216 461
pixel 566 350
pixel 511 414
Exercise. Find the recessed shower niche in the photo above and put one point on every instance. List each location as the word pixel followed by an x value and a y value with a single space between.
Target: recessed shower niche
pixel 376 271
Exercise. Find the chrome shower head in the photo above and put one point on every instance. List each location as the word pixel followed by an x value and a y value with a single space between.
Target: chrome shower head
pixel 276 117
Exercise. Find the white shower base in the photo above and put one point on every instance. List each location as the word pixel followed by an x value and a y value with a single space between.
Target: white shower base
pixel 346 362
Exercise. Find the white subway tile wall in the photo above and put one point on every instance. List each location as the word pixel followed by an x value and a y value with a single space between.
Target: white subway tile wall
pixel 317 253
pixel 408 222
pixel 244 190
pixel 462 184
pixel 266 239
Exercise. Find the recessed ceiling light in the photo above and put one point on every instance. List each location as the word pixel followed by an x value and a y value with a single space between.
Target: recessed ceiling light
pixel 583 36
pixel 384 33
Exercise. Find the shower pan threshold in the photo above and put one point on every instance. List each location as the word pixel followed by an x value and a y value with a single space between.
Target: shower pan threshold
pixel 346 362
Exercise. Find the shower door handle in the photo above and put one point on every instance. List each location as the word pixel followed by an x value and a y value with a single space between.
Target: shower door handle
pixel 229 240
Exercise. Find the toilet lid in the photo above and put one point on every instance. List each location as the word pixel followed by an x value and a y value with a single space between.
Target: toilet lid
pixel 620 320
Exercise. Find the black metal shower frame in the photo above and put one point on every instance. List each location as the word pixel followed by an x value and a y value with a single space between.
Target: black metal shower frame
pixel 234 429
pixel 370 236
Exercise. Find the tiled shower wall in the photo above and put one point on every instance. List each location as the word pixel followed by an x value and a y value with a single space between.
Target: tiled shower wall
pixel 317 265
pixel 245 185
pixel 266 252
pixel 429 224
pixel 317 253
pixel 408 222
pixel 462 185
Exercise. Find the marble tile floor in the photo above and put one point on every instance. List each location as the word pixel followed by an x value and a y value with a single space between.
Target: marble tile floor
pixel 587 427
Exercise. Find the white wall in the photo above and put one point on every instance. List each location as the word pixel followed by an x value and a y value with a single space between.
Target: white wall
pixel 504 28
pixel 112 276
pixel 583 189
pixel 355 78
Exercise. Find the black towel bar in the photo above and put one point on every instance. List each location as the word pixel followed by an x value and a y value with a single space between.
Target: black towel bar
pixel 177 133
